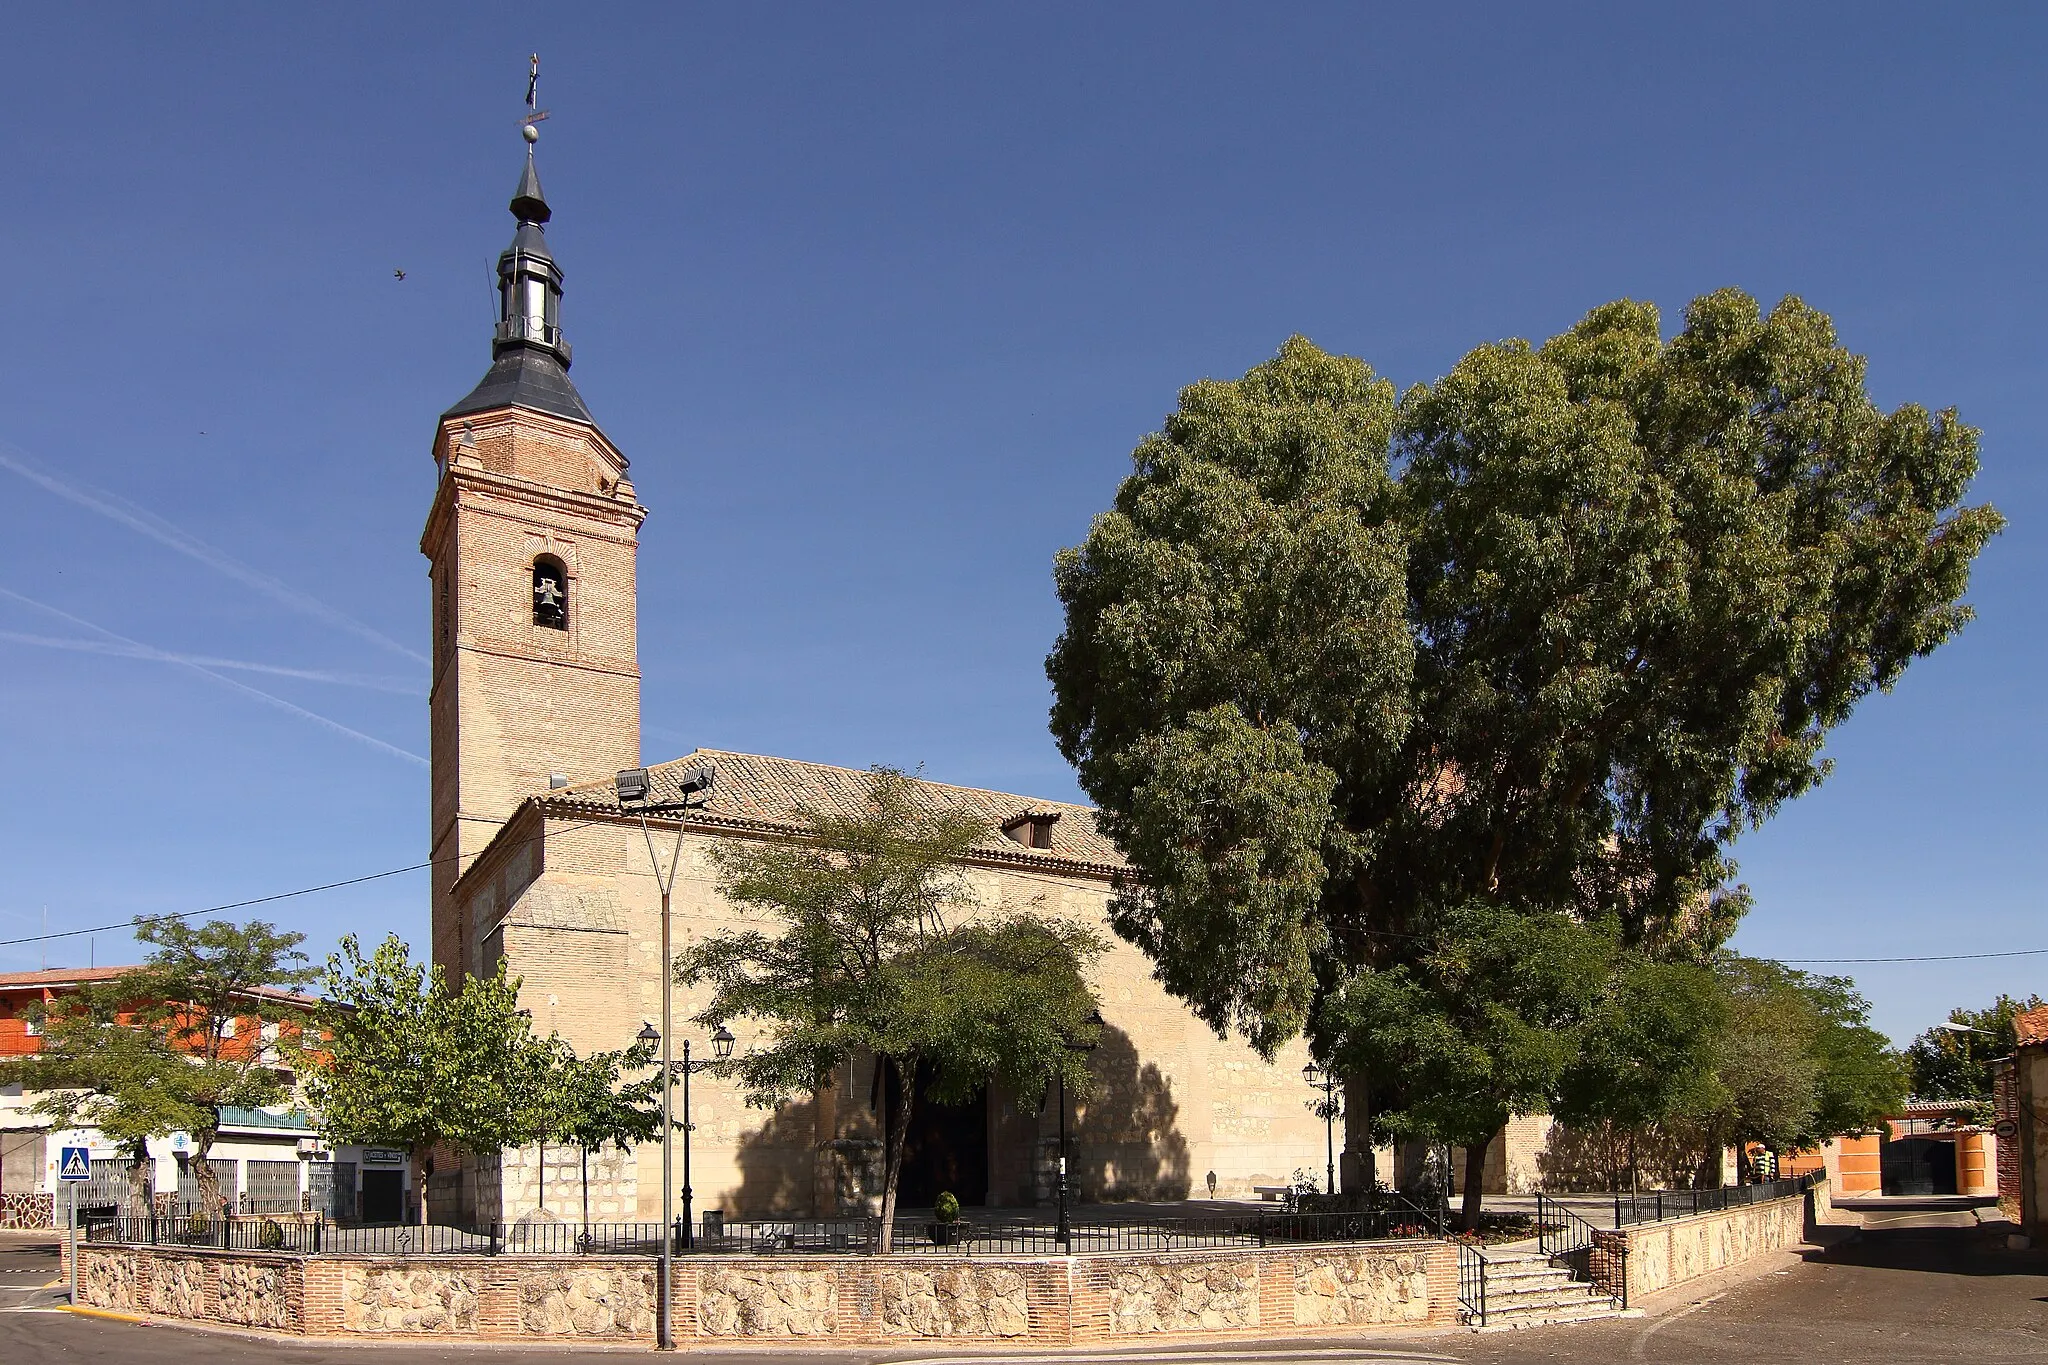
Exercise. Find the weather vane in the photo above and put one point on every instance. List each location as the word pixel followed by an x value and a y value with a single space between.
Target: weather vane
pixel 533 115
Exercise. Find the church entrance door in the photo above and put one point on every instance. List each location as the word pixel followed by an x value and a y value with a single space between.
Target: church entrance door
pixel 946 1148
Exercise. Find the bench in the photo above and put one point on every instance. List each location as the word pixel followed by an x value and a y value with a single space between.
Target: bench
pixel 1271 1193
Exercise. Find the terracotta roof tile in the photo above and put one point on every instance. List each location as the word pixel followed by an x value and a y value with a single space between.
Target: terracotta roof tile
pixel 756 791
pixel 56 977
pixel 2032 1026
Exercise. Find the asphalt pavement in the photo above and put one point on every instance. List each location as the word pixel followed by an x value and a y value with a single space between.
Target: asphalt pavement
pixel 1921 1283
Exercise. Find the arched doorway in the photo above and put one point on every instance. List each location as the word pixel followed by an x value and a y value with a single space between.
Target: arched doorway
pixel 946 1148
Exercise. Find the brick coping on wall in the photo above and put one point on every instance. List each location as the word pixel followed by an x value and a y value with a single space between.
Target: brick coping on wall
pixel 819 1301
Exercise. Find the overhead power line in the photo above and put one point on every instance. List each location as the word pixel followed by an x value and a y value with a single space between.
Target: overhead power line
pixel 275 896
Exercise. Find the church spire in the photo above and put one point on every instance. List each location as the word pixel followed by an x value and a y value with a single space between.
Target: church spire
pixel 529 281
pixel 530 358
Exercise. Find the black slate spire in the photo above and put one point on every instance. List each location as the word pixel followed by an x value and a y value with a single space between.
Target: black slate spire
pixel 530 358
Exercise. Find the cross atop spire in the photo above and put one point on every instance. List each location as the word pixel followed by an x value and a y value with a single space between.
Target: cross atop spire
pixel 529 355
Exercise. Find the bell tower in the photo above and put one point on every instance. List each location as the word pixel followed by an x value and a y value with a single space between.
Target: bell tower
pixel 531 543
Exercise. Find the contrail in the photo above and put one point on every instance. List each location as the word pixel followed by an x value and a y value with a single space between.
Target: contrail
pixel 189 545
pixel 279 702
pixel 372 681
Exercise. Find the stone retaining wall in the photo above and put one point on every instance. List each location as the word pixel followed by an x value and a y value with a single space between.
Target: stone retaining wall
pixel 1662 1255
pixel 28 1209
pixel 839 1300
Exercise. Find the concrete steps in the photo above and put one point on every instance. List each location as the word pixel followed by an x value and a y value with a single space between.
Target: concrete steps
pixel 1528 1291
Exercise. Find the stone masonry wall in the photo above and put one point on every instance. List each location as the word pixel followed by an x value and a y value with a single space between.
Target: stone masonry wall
pixel 1664 1255
pixel 838 1300
pixel 27 1210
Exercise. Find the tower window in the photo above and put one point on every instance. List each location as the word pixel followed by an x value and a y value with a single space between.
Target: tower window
pixel 550 593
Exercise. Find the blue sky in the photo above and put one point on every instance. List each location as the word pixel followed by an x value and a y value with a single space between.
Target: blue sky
pixel 878 300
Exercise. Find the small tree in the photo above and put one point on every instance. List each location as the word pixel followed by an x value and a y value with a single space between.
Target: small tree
pixel 1646 1057
pixel 865 963
pixel 1950 1065
pixel 166 1047
pixel 592 1105
pixel 1480 1029
pixel 408 1062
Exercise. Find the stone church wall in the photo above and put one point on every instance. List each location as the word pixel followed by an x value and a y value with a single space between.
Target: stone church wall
pixel 578 916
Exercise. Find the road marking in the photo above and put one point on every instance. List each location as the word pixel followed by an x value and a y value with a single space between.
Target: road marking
pixel 108 1314
pixel 1638 1349
pixel 1214 1357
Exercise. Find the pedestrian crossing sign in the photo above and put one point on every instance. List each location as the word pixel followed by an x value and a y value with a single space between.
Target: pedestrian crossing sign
pixel 75 1164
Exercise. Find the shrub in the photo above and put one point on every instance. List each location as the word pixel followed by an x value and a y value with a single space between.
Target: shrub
pixel 946 1207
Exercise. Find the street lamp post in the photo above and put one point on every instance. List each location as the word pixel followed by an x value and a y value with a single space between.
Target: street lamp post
pixel 635 788
pixel 1063 1230
pixel 1327 1083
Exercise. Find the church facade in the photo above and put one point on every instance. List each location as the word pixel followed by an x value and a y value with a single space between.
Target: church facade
pixel 532 541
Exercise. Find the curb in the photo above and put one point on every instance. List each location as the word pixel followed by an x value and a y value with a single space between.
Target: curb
pixel 106 1313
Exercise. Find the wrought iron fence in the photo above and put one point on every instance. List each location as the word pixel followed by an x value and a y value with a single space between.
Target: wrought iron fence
pixel 201 1230
pixel 1657 1205
pixel 992 1235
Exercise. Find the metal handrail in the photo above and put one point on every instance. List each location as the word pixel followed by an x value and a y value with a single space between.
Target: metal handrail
pixel 1472 1263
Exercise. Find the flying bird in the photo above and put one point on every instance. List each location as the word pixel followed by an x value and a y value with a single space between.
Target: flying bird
pixel 398 274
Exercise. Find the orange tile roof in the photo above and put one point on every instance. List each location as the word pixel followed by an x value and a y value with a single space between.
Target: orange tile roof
pixel 756 791
pixel 55 978
pixel 2032 1026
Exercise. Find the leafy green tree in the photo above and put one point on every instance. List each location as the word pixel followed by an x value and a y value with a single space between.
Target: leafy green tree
pixel 1645 1059
pixel 408 1062
pixel 1951 1065
pixel 1601 623
pixel 1797 1062
pixel 865 963
pixel 166 1047
pixel 592 1102
pixel 1478 1029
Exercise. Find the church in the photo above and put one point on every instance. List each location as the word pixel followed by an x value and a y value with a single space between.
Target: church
pixel 535 708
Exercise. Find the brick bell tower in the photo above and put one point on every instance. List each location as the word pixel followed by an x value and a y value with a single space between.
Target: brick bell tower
pixel 532 543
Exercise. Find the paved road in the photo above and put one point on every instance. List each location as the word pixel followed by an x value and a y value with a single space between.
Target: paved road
pixel 1919 1285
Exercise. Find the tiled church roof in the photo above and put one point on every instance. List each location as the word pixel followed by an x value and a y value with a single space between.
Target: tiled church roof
pixel 756 791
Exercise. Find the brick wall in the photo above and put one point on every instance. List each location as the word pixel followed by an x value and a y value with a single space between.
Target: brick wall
pixel 2005 1100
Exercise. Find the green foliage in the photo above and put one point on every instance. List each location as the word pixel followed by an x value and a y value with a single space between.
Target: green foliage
pixel 591 1104
pixel 408 1062
pixel 1947 1065
pixel 946 1208
pixel 1478 1028
pixel 865 962
pixel 1235 648
pixel 1790 1061
pixel 1648 1052
pixel 1547 637
pixel 166 1047
pixel 1604 620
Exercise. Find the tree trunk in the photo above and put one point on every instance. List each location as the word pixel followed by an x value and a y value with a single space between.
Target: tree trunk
pixel 892 1166
pixel 586 1189
pixel 1475 1182
pixel 209 1179
pixel 824 1163
pixel 141 1188
pixel 422 1170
